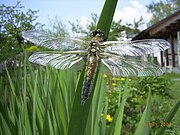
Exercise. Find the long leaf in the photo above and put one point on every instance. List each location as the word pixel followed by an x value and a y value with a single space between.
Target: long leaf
pixel 106 16
pixel 5 127
pixel 92 127
pixel 169 118
pixel 79 114
pixel 116 125
pixel 103 127
pixel 144 124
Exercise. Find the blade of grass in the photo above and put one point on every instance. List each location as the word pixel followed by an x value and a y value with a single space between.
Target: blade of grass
pixel 63 100
pixel 5 126
pixel 169 118
pixel 34 105
pixel 46 127
pixel 11 83
pixel 92 127
pixel 106 16
pixel 79 113
pixel 25 113
pixel 144 124
pixel 98 102
pixel 103 127
pixel 116 124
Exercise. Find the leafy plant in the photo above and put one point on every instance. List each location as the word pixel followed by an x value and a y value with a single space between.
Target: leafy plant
pixel 160 85
pixel 162 9
pixel 13 21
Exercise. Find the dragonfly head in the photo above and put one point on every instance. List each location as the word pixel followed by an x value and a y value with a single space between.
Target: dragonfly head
pixel 97 35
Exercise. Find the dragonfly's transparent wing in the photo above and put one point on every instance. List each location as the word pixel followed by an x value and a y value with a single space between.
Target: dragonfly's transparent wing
pixel 135 48
pixel 56 60
pixel 52 41
pixel 128 67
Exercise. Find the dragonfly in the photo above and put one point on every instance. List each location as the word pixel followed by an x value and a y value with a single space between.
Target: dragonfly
pixel 115 55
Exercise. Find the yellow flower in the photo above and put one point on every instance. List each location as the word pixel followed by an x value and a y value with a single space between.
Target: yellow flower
pixel 113 78
pixel 118 79
pixel 102 114
pixel 105 76
pixel 129 79
pixel 108 116
pixel 122 79
pixel 114 84
pixel 110 120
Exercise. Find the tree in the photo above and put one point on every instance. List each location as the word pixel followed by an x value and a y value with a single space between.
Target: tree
pixel 117 31
pixel 162 9
pixel 13 21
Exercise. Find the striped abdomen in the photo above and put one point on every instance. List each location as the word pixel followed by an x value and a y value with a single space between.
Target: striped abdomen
pixel 90 71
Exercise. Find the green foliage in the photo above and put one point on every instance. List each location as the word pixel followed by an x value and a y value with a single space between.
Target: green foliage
pixel 162 9
pixel 169 118
pixel 162 96
pixel 143 126
pixel 106 17
pixel 160 85
pixel 13 21
pixel 40 100
pixel 120 110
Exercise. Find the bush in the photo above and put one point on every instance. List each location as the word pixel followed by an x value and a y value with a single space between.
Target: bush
pixel 139 88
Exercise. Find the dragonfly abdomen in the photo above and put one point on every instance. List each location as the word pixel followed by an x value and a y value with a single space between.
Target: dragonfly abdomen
pixel 90 71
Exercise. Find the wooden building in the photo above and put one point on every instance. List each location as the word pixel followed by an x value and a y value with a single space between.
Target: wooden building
pixel 168 29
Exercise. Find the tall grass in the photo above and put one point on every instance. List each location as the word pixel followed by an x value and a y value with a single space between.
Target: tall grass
pixel 42 101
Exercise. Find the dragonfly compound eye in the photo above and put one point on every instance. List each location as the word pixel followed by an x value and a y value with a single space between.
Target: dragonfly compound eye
pixel 97 33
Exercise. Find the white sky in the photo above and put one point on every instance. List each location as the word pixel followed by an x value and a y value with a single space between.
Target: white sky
pixel 71 10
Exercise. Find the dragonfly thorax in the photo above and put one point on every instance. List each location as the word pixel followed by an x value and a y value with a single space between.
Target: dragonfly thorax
pixel 93 47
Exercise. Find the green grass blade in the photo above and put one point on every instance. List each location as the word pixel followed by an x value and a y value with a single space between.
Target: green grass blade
pixel 97 103
pixel 116 124
pixel 11 83
pixel 92 127
pixel 103 127
pixel 5 126
pixel 79 113
pixel 106 16
pixel 46 126
pixel 77 122
pixel 144 124
pixel 169 118
pixel 34 105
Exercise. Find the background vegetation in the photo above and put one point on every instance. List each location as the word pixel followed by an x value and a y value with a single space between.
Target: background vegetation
pixel 39 100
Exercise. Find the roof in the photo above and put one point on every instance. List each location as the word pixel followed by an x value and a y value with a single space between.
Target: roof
pixel 162 29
